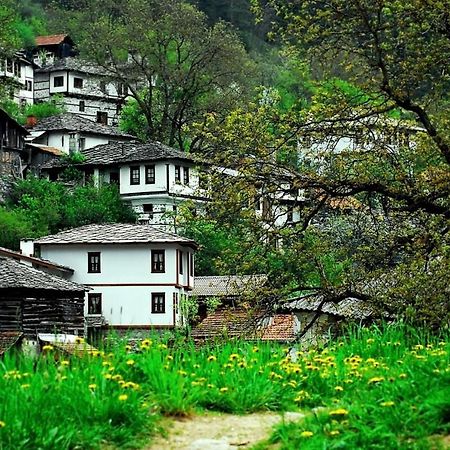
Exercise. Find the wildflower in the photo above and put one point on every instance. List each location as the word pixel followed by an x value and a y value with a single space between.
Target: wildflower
pixel 210 386
pixel 338 388
pixel 92 386
pixel 255 349
pixel 107 376
pixel 162 346
pixel 334 432
pixel 117 377
pixel 182 373
pixel 212 358
pixel 223 389
pixel 370 341
pixel 402 376
pixel 306 434
pixel 340 412
pixel 79 340
pixel 234 356
pixel 47 348
pixel 128 347
pixel 25 386
pixel 123 397
pixel 387 404
pixel 375 380
pixel 65 363
pixel 169 358
pixel 2 424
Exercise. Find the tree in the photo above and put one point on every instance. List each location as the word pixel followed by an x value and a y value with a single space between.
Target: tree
pixel 173 64
pixel 393 247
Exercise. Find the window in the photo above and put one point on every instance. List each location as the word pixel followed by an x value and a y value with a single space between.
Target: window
pixel 102 117
pixel 9 65
pixel 93 262
pixel 158 303
pixel 191 265
pixel 29 85
pixel 158 263
pixel 81 106
pixel 177 174
pixel 81 143
pixel 186 175
pixel 94 303
pixel 148 209
pixel 150 174
pixel 135 175
pixel 78 83
pixel 58 81
pixel 180 259
pixel 114 178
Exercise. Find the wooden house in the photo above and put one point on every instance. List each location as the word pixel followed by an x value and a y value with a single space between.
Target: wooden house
pixel 34 302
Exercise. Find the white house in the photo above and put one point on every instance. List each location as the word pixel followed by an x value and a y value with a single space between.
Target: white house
pixel 138 274
pixel 85 89
pixel 20 71
pixel 153 177
pixel 70 133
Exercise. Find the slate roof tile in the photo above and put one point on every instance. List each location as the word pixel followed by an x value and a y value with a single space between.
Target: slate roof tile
pixel 228 286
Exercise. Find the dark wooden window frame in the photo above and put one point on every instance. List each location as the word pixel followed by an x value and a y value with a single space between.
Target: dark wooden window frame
pixel 158 261
pixel 158 302
pixel 150 174
pixel 135 175
pixel 95 303
pixel 94 262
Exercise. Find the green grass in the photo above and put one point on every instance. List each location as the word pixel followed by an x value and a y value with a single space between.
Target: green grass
pixel 372 389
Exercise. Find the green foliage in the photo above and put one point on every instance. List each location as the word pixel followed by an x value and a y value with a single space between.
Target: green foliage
pixel 14 225
pixel 364 385
pixel 51 206
pixel 132 120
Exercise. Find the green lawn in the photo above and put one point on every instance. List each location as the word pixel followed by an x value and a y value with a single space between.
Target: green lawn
pixel 371 389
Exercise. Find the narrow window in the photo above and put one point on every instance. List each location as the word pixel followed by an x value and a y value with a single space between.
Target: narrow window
pixel 150 174
pixel 158 303
pixel 135 175
pixel 81 106
pixel 158 263
pixel 103 86
pixel 290 216
pixel 102 117
pixel 180 256
pixel 148 209
pixel 58 82
pixel 93 262
pixel 29 85
pixel 177 174
pixel 81 143
pixel 191 265
pixel 9 65
pixel 78 83
pixel 94 303
pixel 186 175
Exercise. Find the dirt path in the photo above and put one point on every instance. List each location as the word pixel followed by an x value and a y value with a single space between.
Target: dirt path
pixel 219 431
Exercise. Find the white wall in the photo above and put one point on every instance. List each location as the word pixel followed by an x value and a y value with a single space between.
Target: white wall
pixel 126 281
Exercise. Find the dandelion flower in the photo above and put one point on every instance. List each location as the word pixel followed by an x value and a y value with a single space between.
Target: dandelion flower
pixel 92 386
pixel 234 356
pixel 130 362
pixel 402 376
pixel 338 388
pixel 306 434
pixel 123 397
pixel 25 386
pixel 339 412
pixel 375 380
pixel 223 389
pixel 334 432
pixel 47 348
pixel 65 363
pixel 388 404
pixel 2 424
pixel 212 358
pixel 370 341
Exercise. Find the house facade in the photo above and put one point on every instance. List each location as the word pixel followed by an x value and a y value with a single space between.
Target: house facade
pixel 153 177
pixel 71 133
pixel 138 274
pixel 20 71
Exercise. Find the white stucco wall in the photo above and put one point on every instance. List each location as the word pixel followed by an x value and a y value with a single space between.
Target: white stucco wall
pixel 126 281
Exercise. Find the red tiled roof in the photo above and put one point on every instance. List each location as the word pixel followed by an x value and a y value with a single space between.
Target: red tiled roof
pixel 242 323
pixel 53 39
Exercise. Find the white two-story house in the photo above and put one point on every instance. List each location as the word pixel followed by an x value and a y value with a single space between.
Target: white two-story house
pixel 138 274
pixel 153 177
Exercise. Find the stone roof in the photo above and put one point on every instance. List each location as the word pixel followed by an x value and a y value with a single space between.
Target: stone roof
pixel 8 339
pixel 350 308
pixel 114 233
pixel 16 275
pixel 229 322
pixel 53 39
pixel 75 122
pixel 75 64
pixel 227 286
pixel 125 152
pixel 37 261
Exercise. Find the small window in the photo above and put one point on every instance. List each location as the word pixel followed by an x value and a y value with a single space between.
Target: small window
pixel 158 263
pixel 177 174
pixel 82 143
pixel 148 209
pixel 180 263
pixel 58 82
pixel 158 303
pixel 114 178
pixel 78 83
pixel 290 216
pixel 94 303
pixel 191 265
pixel 9 65
pixel 93 262
pixel 102 117
pixel 186 175
pixel 81 106
pixel 135 175
pixel 150 174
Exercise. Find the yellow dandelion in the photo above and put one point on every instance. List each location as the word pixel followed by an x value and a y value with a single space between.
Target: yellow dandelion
pixel 131 362
pixel 47 348
pixel 128 347
pixel 123 397
pixel 169 358
pixel 223 389
pixel 2 424
pixel 212 358
pixel 339 412
pixel 25 386
pixel 338 388
pixel 334 432
pixel 79 340
pixel 233 356
pixel 107 376
pixel 65 363
pixel 306 434
pixel 370 341
pixel 387 404
pixel 255 349
pixel 402 376
pixel 92 386
pixel 375 380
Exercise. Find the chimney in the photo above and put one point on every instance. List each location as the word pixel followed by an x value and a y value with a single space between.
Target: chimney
pixel 27 247
pixel 31 121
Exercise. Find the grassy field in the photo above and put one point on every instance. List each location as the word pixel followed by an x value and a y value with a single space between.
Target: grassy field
pixel 371 389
